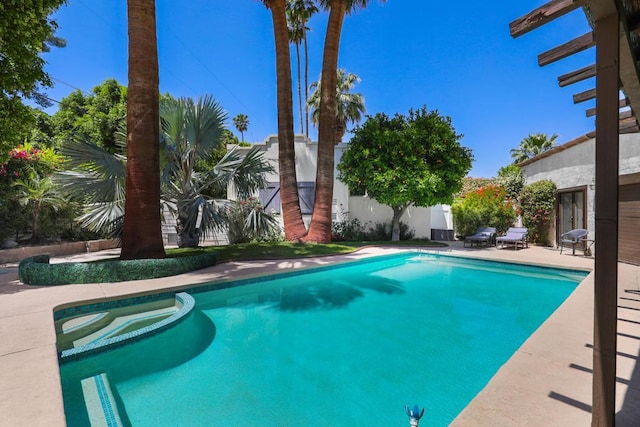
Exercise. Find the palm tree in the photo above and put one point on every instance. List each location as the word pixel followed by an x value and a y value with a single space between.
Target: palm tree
pixel 532 145
pixel 241 122
pixel 142 234
pixel 299 12
pixel 190 131
pixel 294 228
pixel 38 193
pixel 320 228
pixel 349 106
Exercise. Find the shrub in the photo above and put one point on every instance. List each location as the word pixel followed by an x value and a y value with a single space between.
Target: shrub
pixel 536 203
pixel 382 231
pixel 36 270
pixel 488 206
pixel 246 222
pixel 352 231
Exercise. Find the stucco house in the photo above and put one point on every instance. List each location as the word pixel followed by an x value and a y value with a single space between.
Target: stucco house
pixel 572 167
pixel 434 222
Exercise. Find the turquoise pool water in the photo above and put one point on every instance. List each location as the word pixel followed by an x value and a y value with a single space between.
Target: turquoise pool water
pixel 340 347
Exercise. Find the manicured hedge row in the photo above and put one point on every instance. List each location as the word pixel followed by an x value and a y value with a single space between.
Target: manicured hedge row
pixel 36 270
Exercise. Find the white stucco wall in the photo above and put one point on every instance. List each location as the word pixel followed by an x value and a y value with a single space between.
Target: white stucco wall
pixel 422 220
pixel 369 212
pixel 575 167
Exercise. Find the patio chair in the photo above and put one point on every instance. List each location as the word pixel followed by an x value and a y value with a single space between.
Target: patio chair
pixel 483 236
pixel 515 236
pixel 573 238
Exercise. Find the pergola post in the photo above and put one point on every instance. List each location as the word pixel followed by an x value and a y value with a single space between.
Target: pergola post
pixel 607 33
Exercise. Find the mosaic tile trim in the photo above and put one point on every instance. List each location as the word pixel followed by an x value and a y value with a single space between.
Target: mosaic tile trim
pixel 521 266
pixel 97 391
pixel 188 304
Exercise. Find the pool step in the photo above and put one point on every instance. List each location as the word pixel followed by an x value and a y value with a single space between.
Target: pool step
pixel 101 405
pixel 123 323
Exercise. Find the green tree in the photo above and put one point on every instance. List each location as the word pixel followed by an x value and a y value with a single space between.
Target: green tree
pixel 532 145
pixel 537 202
pixel 402 160
pixel 349 106
pixel 142 233
pixel 98 116
pixel 241 122
pixel 294 228
pixel 26 30
pixel 320 227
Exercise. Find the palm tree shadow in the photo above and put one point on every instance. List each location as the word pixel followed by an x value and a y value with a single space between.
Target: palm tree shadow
pixel 334 294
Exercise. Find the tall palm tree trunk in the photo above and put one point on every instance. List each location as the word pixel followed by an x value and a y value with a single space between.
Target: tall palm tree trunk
pixel 142 234
pixel 320 228
pixel 294 229
pixel 299 87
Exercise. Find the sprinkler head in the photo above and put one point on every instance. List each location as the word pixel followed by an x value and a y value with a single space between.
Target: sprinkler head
pixel 414 414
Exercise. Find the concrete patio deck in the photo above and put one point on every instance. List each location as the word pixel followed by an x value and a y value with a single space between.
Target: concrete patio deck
pixel 547 382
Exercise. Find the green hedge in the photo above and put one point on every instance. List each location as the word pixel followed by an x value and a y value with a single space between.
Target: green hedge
pixel 36 270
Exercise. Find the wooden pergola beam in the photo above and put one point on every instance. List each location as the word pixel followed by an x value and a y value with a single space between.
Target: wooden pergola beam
pixel 584 96
pixel 569 48
pixel 624 102
pixel 577 76
pixel 542 15
pixel 625 116
pixel 606 221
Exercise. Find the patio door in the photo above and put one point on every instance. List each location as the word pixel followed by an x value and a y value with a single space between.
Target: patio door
pixel 571 211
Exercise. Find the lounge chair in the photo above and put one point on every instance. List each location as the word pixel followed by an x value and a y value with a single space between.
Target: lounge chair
pixel 514 236
pixel 483 236
pixel 573 238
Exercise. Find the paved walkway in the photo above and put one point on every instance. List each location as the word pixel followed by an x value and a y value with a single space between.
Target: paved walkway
pixel 547 382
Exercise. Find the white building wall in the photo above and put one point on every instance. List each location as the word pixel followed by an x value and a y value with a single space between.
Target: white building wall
pixel 421 220
pixel 369 212
pixel 575 167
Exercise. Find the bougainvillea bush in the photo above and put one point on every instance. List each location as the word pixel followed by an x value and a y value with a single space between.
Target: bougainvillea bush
pixel 28 166
pixel 487 206
pixel 537 202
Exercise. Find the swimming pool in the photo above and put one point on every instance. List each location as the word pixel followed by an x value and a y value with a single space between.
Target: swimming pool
pixel 346 345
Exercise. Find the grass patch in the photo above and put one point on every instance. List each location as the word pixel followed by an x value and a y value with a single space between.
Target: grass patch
pixel 284 250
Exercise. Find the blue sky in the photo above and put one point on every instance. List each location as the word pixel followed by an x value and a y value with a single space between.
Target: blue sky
pixel 455 57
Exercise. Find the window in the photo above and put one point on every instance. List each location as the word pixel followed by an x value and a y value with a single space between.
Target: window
pixel 271 202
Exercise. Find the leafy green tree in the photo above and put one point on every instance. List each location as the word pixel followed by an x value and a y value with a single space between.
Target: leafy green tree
pixel 241 122
pixel 402 160
pixel 532 145
pixel 98 117
pixel 349 106
pixel 537 202
pixel 26 30
pixel 512 179
pixel 487 206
